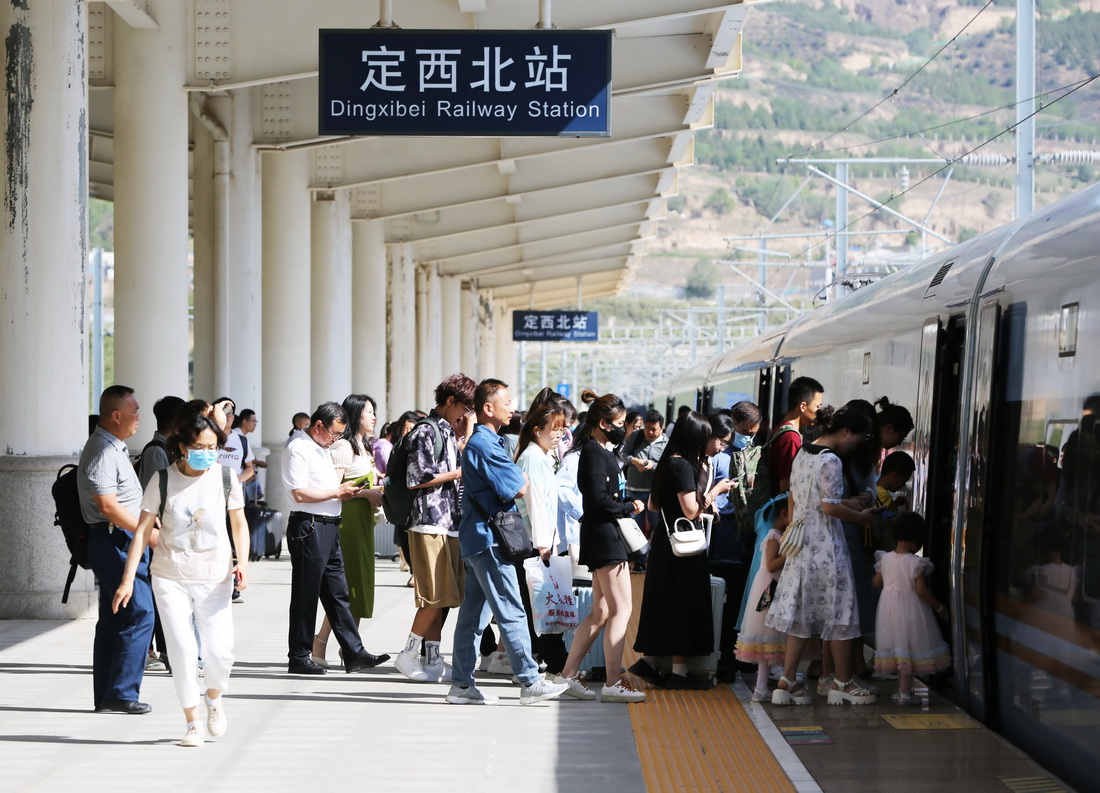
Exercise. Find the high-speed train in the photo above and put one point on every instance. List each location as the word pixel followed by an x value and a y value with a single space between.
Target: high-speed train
pixel 993 346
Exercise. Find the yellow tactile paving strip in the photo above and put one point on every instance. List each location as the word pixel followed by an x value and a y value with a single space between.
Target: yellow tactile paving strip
pixel 698 741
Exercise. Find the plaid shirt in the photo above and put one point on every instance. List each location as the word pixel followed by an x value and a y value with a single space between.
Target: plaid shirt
pixel 437 507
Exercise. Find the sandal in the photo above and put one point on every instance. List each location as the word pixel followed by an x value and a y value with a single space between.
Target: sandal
pixel 794 694
pixel 856 695
pixel 318 654
pixel 760 696
pixel 824 685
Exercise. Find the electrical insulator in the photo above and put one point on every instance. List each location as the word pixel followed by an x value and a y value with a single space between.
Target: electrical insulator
pixel 903 178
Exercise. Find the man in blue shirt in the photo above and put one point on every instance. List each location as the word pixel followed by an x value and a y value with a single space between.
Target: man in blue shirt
pixel 492 482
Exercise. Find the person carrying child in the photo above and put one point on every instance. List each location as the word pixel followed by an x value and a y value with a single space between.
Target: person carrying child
pixel 909 640
pixel 757 643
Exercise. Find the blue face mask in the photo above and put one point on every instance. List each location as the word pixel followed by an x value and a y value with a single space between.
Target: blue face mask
pixel 201 459
pixel 741 441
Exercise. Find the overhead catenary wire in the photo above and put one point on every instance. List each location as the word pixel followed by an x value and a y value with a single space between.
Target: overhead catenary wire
pixel 904 82
pixel 950 163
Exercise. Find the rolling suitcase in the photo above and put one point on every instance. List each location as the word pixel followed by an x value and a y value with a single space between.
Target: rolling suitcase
pixel 266 531
pixel 593 665
pixel 705 665
pixel 384 546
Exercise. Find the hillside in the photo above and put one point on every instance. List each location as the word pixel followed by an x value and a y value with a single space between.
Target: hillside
pixel 811 68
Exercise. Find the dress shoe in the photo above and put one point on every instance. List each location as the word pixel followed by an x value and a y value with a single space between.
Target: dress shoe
pixel 364 661
pixel 131 706
pixel 643 670
pixel 306 667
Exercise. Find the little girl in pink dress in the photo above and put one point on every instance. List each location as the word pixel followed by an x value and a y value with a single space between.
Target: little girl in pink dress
pixel 907 639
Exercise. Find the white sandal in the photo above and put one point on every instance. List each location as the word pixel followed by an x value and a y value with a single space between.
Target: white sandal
pixel 794 694
pixel 824 684
pixel 857 696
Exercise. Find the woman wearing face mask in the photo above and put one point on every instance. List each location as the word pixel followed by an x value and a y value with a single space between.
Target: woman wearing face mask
pixel 193 572
pixel 600 480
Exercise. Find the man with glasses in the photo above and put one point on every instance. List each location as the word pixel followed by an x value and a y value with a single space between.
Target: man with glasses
pixel 438 575
pixel 491 483
pixel 313 538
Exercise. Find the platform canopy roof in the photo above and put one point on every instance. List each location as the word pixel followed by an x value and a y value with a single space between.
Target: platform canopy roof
pixel 518 215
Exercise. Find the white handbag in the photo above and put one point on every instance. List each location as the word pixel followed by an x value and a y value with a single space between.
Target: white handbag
pixel 637 546
pixel 686 538
pixel 794 536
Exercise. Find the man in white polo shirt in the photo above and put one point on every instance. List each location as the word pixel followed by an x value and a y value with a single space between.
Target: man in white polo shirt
pixel 313 537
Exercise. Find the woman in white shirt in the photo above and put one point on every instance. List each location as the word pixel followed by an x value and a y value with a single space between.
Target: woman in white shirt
pixel 193 572
pixel 538 441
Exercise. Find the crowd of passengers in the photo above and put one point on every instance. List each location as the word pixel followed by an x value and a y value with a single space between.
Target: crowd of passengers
pixel 800 521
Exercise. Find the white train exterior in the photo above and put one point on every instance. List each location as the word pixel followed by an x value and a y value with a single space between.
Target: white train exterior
pixel 993 346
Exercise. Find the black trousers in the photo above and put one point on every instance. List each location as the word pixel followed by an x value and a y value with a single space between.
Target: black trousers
pixel 317 571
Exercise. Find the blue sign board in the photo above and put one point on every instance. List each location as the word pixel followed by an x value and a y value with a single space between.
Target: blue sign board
pixel 565 390
pixel 555 326
pixel 465 82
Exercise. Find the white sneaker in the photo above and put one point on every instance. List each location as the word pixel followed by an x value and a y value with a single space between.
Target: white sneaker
pixel 540 691
pixel 470 696
pixel 483 665
pixel 216 721
pixel 154 664
pixel 193 736
pixel 438 673
pixel 411 667
pixel 622 691
pixel 575 687
pixel 499 664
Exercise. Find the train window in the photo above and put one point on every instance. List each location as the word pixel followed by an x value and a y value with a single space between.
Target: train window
pixel 866 368
pixel 1067 331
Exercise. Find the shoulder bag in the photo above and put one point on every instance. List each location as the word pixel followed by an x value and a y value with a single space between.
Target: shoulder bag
pixel 509 532
pixel 637 546
pixel 794 536
pixel 685 537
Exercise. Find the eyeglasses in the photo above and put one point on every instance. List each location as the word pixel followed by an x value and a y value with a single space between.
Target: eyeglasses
pixel 722 442
pixel 198 447
pixel 339 434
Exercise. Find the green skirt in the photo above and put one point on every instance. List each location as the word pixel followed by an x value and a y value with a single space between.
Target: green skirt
pixel 357 544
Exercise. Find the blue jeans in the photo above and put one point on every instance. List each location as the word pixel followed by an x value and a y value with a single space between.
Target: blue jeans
pixel 121 640
pixel 491 583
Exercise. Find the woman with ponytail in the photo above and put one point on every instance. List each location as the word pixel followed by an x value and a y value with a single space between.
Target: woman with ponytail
pixel 600 480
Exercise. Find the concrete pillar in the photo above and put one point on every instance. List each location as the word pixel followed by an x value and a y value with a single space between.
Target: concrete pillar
pixel 469 326
pixel 43 262
pixel 286 304
pixel 203 275
pixel 151 207
pixel 401 332
pixel 368 316
pixel 450 291
pixel 226 250
pixel 331 297
pixel 507 352
pixel 486 336
pixel 429 344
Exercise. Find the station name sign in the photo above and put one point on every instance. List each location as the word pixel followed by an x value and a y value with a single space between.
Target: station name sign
pixel 465 82
pixel 555 326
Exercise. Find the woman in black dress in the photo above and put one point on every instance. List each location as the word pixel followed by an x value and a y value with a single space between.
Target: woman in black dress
pixel 676 618
pixel 601 483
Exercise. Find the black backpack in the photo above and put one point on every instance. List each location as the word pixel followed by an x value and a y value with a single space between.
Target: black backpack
pixel 765 487
pixel 397 498
pixel 67 515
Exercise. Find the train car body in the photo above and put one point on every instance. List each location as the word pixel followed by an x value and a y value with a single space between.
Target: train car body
pixel 992 346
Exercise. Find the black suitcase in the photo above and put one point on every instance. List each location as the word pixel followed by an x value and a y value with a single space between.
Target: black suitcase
pixel 266 530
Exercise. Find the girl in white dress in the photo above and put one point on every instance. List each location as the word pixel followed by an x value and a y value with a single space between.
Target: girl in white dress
pixel 908 639
pixel 756 643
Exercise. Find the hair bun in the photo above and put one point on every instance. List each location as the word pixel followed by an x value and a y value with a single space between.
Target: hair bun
pixel 588 396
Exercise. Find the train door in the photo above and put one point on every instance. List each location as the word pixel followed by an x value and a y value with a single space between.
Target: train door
pixel 764 399
pixel 935 442
pixel 976 522
pixel 781 379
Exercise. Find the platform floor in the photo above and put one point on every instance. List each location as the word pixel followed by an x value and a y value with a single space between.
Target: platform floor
pixel 379 732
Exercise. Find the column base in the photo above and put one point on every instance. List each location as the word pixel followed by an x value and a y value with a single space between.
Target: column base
pixel 35 561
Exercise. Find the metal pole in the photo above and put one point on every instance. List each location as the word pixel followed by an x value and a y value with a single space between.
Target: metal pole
pixel 97 325
pixel 720 320
pixel 522 374
pixel 545 351
pixel 1025 107
pixel 841 219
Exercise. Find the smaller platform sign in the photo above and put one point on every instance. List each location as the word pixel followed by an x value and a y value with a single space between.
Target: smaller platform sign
pixel 555 326
pixel 802 736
